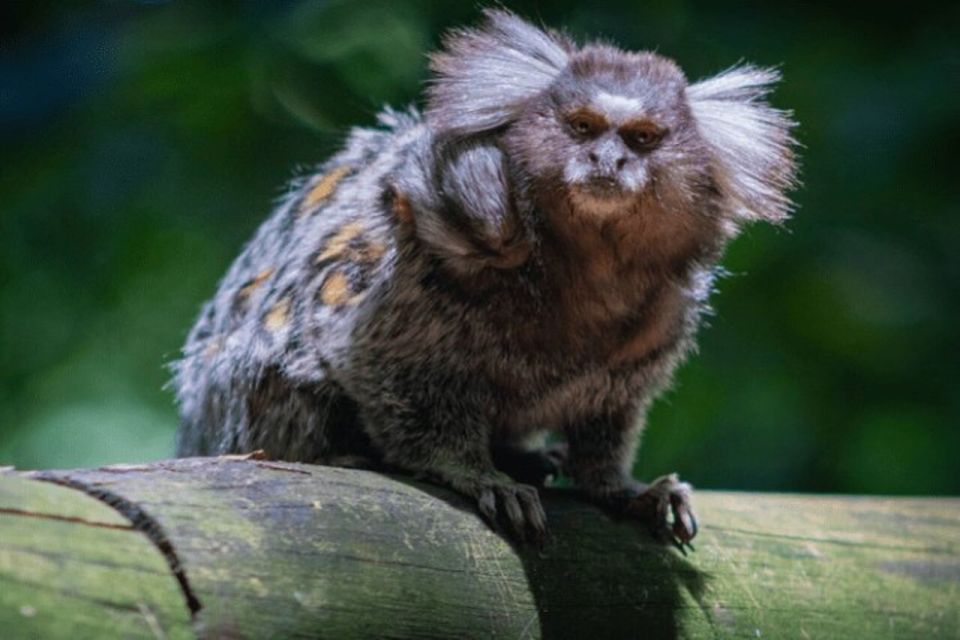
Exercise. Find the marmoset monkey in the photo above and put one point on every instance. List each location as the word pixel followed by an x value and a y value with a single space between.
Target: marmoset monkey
pixel 532 255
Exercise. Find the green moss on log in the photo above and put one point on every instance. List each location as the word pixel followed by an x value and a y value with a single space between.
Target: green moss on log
pixel 72 567
pixel 286 550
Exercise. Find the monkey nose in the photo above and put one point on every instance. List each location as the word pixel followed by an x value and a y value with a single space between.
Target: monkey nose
pixel 608 162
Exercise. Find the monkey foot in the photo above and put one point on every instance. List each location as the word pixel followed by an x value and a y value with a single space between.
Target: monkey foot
pixel 517 506
pixel 535 467
pixel 665 505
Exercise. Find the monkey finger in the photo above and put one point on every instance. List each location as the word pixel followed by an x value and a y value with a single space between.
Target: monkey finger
pixel 535 515
pixel 684 521
pixel 512 512
pixel 487 505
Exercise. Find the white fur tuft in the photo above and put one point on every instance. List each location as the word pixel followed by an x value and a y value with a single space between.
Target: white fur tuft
pixel 750 140
pixel 484 76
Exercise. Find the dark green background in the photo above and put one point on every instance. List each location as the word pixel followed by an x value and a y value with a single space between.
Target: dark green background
pixel 142 143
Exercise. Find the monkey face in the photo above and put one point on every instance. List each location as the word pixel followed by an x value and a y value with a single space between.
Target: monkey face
pixel 613 129
pixel 611 155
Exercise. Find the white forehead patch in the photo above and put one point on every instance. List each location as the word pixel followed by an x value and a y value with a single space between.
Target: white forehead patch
pixel 617 107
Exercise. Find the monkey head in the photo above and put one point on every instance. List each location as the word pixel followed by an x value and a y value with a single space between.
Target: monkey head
pixel 612 128
pixel 606 129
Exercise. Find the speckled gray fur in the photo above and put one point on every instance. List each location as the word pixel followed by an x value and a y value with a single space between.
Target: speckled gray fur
pixel 460 283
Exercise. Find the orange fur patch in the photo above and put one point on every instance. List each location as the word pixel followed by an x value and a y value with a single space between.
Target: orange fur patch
pixel 338 243
pixel 278 316
pixel 370 252
pixel 402 208
pixel 325 186
pixel 247 290
pixel 336 291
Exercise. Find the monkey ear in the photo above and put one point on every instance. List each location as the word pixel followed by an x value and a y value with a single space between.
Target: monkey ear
pixel 750 141
pixel 483 76
pixel 461 209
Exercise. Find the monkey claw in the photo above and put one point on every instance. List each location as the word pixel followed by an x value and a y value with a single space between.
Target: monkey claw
pixel 665 504
pixel 518 507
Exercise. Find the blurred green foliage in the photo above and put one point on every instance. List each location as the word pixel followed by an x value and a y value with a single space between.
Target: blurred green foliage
pixel 142 143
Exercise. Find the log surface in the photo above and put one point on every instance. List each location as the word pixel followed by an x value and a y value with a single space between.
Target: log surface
pixel 227 547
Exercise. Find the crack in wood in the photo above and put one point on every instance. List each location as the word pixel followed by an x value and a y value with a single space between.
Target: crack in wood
pixel 278 467
pixel 72 519
pixel 141 521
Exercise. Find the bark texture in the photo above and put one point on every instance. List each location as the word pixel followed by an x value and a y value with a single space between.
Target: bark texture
pixel 243 548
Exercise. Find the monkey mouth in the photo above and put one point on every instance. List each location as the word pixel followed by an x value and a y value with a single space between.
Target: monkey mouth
pixel 602 187
pixel 601 197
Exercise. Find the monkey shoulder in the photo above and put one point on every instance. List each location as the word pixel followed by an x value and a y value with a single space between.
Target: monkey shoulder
pixel 316 260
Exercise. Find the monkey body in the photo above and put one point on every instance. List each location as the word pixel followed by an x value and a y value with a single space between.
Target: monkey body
pixel 334 293
pixel 455 285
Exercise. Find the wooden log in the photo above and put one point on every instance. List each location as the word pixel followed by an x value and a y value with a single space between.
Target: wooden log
pixel 227 547
pixel 72 567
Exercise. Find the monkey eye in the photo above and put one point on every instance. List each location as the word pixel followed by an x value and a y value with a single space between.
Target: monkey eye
pixel 642 136
pixel 586 124
pixel 582 126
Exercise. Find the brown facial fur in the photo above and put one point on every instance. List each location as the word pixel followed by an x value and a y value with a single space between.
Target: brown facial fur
pixel 584 121
pixel 604 270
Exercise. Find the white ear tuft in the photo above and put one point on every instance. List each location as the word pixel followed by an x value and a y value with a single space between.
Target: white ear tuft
pixel 484 76
pixel 750 140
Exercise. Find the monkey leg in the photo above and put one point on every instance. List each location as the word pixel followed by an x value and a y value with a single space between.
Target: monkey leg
pixel 447 447
pixel 467 215
pixel 600 458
